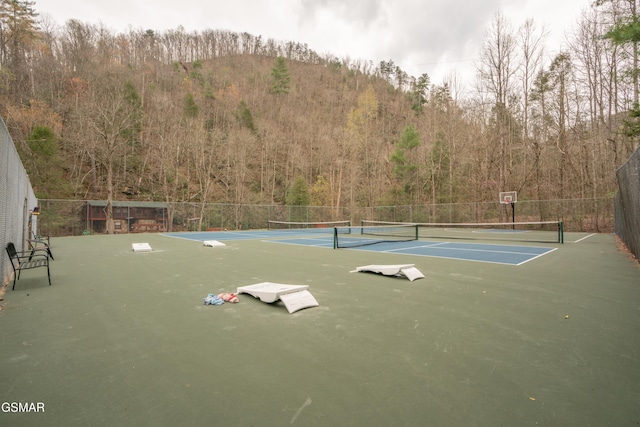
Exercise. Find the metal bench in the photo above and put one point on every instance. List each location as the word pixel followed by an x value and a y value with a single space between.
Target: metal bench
pixel 36 241
pixel 26 260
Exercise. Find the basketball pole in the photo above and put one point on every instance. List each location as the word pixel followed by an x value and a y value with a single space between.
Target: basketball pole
pixel 513 215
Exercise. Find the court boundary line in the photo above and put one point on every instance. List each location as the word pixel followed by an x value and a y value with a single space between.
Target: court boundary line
pixel 446 257
pixel 328 244
pixel 217 238
pixel 537 256
pixel 584 238
pixel 475 250
pixel 478 250
pixel 230 235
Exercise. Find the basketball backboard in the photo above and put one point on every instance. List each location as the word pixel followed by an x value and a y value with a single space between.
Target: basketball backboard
pixel 508 197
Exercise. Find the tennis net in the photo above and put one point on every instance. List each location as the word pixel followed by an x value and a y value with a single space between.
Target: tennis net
pixel 324 227
pixel 351 237
pixel 540 231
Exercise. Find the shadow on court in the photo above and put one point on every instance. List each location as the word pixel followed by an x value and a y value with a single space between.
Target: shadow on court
pixel 123 338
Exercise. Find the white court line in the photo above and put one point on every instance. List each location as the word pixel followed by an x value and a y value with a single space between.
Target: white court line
pixel 324 243
pixel 228 236
pixel 537 256
pixel 448 258
pixel 585 237
pixel 471 250
pixel 417 247
pixel 434 245
pixel 234 235
pixel 180 237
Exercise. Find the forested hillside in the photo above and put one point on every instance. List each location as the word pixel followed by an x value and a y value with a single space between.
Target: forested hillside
pixel 216 116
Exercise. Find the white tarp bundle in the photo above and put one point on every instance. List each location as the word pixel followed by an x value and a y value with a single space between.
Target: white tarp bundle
pixel 212 243
pixel 407 270
pixel 141 247
pixel 294 297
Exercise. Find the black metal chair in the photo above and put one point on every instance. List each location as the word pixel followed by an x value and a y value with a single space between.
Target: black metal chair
pixel 26 260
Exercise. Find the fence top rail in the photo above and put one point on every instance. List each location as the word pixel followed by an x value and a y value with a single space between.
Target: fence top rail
pixel 132 203
pixel 608 198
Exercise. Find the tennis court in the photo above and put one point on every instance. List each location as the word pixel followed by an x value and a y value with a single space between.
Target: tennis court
pixel 123 338
pixel 510 254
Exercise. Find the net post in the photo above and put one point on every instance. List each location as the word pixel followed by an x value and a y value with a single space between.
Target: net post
pixel 417 232
pixel 561 232
pixel 335 237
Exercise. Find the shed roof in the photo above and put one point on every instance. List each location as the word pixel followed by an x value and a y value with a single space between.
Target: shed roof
pixel 129 204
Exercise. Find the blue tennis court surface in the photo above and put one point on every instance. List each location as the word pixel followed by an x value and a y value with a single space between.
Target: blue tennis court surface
pixel 478 252
pixel 498 254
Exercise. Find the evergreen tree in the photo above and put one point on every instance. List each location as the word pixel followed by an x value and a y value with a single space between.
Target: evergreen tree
pixel 46 164
pixel 18 37
pixel 244 116
pixel 419 93
pixel 18 30
pixel 281 77
pixel 408 141
pixel 404 170
pixel 299 193
pixel 298 198
pixel 191 109
pixel 626 31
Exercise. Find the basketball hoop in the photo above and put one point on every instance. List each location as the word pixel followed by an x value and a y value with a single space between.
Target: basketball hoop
pixel 508 197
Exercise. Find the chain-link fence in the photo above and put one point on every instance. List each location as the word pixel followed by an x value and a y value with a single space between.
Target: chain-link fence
pixel 73 217
pixel 76 217
pixel 627 204
pixel 18 200
pixel 584 215
pixel 204 216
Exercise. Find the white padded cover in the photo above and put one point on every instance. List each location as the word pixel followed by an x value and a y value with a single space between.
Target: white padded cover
pixel 270 292
pixel 294 297
pixel 141 247
pixel 407 270
pixel 212 243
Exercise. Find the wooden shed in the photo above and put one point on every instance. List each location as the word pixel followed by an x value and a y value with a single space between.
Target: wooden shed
pixel 128 216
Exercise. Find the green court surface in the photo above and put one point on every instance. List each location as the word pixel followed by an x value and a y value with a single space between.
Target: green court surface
pixel 123 338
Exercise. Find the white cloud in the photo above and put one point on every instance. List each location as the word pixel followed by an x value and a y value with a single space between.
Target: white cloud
pixel 420 36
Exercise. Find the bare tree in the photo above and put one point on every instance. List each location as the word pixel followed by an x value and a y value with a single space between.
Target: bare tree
pixel 496 72
pixel 560 73
pixel 531 44
pixel 113 121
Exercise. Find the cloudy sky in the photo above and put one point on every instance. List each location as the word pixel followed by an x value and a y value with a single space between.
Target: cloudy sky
pixel 436 37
